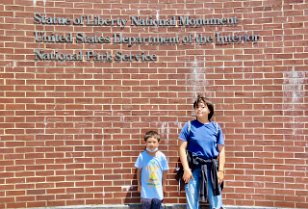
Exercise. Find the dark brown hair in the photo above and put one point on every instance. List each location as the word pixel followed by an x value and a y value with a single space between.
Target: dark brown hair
pixel 202 99
pixel 151 134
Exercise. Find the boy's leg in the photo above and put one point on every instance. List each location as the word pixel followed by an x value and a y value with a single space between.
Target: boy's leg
pixel 215 202
pixel 192 191
pixel 155 204
pixel 146 203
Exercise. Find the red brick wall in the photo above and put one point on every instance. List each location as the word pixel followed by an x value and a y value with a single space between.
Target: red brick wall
pixel 71 131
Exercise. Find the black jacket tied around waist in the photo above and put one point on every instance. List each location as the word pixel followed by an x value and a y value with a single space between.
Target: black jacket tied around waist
pixel 205 165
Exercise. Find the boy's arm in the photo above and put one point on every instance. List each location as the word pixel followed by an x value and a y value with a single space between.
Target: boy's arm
pixel 221 168
pixel 139 179
pixel 183 157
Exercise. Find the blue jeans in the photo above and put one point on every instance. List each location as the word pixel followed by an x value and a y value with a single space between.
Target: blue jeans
pixel 151 203
pixel 192 192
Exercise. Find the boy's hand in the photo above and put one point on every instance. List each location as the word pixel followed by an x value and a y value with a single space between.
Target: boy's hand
pixel 220 175
pixel 187 175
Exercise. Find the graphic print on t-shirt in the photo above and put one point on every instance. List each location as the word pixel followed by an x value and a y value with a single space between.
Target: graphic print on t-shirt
pixel 152 170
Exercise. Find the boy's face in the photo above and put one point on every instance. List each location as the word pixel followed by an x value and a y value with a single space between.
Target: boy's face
pixel 152 143
pixel 202 110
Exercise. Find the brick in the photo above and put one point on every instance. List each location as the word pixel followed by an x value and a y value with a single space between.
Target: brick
pixel 69 126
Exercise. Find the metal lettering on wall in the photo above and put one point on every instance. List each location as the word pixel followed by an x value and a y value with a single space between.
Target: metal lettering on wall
pixel 217 38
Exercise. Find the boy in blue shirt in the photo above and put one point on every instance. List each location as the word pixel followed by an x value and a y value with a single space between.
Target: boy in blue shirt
pixel 203 140
pixel 152 168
